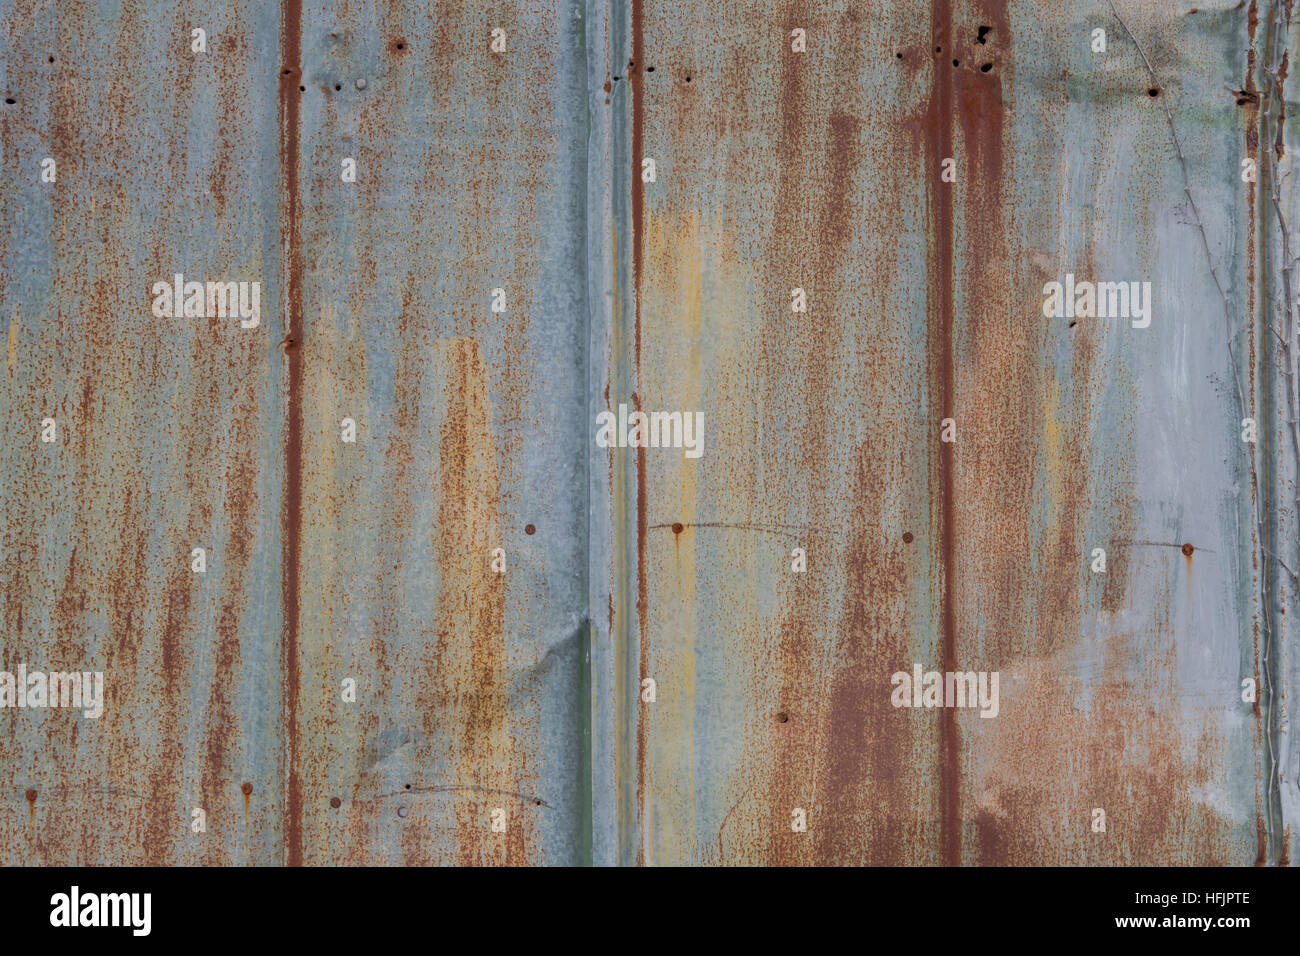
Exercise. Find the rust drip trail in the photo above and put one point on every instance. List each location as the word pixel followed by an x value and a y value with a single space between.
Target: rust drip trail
pixel 642 504
pixel 938 147
pixel 31 806
pixel 290 101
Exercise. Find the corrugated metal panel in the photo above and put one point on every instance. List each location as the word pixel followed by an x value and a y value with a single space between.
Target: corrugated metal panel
pixel 169 434
pixel 520 170
pixel 326 560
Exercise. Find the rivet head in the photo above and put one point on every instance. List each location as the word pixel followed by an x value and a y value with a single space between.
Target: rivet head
pixel 361 84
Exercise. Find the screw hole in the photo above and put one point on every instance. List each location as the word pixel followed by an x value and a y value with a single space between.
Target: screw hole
pixel 688 79
pixel 51 59
pixel 408 786
pixel 338 86
pixel 899 55
pixel 956 62
pixel 986 67
pixel 1153 92
pixel 9 101
pixel 649 69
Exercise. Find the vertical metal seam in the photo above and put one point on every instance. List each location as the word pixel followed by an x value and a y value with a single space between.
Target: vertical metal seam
pixel 291 31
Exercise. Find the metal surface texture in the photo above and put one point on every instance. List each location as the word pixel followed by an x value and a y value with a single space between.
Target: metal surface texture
pixel 500 272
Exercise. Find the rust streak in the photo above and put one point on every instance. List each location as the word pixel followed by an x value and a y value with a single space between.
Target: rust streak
pixel 642 505
pixel 291 28
pixel 939 141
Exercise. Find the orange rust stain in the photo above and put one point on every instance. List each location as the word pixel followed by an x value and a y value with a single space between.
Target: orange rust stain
pixel 1116 743
pixel 11 352
pixel 31 806
pixel 463 684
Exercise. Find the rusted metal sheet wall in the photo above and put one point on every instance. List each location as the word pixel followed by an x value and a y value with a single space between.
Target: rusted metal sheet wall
pixel 516 176
pixel 822 170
